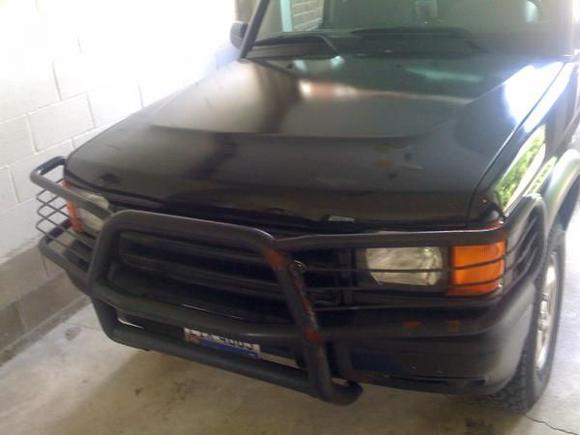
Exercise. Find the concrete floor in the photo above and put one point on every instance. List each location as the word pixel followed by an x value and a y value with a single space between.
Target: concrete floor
pixel 75 381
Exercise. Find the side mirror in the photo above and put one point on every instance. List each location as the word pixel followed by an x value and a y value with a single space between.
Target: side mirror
pixel 237 33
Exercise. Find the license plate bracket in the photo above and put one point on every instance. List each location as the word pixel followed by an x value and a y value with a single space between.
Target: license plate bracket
pixel 200 338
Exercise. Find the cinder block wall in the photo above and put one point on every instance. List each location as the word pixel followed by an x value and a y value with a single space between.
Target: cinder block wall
pixel 68 70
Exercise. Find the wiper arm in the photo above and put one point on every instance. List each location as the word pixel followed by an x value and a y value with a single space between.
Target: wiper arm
pixel 297 38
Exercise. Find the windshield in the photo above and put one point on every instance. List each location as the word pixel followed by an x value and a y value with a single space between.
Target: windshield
pixel 524 20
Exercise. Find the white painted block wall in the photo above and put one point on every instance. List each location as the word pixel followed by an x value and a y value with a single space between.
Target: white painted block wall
pixel 71 68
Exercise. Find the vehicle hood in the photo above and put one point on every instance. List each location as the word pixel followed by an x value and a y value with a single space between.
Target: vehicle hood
pixel 352 138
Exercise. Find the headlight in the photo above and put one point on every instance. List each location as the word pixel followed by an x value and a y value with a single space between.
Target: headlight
pixel 380 261
pixel 81 219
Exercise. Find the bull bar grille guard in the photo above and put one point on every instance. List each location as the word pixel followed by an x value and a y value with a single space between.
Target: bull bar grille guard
pixel 316 379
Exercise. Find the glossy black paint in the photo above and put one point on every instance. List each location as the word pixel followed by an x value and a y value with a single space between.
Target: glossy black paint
pixel 558 110
pixel 382 140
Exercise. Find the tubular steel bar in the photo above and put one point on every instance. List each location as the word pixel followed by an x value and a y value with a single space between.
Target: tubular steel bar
pixel 38 177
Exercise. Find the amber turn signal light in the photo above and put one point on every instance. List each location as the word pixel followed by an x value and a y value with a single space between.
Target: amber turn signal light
pixel 477 269
pixel 75 222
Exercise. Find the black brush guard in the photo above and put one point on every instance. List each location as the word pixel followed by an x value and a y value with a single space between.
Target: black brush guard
pixel 316 379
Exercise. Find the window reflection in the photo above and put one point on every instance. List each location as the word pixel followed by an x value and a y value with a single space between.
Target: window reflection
pixel 525 88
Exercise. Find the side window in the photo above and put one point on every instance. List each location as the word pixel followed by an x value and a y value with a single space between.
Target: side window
pixel 301 15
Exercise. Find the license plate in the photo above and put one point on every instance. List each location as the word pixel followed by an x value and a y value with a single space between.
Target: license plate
pixel 221 343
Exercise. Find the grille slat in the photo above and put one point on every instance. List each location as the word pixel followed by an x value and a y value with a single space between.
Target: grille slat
pixel 222 268
pixel 197 250
pixel 196 275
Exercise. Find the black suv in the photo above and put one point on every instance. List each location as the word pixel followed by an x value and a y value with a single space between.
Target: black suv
pixel 376 191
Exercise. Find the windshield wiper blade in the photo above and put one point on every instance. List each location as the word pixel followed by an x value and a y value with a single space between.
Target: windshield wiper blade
pixel 410 30
pixel 450 32
pixel 296 38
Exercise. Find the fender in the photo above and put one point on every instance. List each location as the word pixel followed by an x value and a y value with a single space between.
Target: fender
pixel 565 173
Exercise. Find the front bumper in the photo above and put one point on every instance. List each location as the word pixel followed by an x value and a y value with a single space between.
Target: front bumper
pixel 452 346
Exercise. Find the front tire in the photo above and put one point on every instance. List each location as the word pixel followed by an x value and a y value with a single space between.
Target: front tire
pixel 535 367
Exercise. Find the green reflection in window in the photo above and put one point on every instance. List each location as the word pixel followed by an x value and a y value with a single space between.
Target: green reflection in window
pixel 523 170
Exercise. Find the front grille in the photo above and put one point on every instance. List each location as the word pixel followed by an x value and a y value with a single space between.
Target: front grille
pixel 228 270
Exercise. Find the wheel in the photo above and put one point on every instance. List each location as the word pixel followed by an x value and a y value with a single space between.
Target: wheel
pixel 533 372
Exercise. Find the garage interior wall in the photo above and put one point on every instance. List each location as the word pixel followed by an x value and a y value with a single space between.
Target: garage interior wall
pixel 69 69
